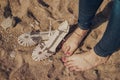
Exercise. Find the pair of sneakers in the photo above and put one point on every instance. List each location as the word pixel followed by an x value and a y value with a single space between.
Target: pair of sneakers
pixel 47 42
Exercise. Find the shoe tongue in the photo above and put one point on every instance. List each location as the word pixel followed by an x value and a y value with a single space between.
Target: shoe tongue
pixel 63 26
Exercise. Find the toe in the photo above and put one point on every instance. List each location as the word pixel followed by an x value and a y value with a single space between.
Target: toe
pixel 78 69
pixel 64 46
pixel 70 51
pixel 72 68
pixel 67 59
pixel 68 64
pixel 66 50
pixel 64 59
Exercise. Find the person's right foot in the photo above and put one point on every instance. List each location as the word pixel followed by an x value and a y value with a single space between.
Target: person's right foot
pixel 73 41
pixel 84 61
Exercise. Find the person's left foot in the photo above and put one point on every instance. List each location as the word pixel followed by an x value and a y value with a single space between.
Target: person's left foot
pixel 82 62
pixel 72 43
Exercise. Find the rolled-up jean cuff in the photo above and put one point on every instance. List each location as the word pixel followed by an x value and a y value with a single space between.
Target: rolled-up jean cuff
pixel 100 52
pixel 82 27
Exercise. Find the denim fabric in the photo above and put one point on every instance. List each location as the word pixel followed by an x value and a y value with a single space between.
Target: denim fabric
pixel 110 41
pixel 87 10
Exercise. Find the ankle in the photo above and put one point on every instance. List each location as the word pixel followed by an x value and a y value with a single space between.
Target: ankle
pixel 102 59
pixel 80 32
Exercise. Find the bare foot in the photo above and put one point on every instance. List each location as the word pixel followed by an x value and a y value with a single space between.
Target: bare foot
pixel 73 41
pixel 82 62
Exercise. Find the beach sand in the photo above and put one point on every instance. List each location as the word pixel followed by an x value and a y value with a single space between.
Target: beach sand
pixel 16 62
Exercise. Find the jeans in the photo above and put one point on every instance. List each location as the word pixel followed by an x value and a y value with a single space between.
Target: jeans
pixel 110 41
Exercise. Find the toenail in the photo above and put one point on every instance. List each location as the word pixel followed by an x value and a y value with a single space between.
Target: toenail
pixel 68 53
pixel 63 59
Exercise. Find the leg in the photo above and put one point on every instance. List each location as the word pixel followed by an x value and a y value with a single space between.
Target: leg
pixel 87 10
pixel 107 45
pixel 111 39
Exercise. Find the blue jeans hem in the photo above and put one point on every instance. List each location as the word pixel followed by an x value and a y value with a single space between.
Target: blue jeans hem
pixel 82 27
pixel 101 52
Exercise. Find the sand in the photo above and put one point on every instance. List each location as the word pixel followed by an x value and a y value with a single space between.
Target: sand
pixel 15 60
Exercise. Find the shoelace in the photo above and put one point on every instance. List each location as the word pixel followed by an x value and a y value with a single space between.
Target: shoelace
pixel 50 27
pixel 50 31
